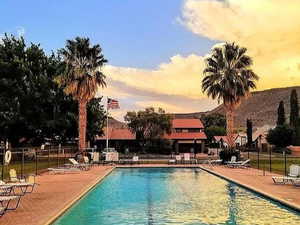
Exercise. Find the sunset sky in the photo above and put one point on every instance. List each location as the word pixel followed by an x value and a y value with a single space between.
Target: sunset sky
pixel 156 48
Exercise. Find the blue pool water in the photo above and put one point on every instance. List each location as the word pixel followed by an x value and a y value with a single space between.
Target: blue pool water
pixel 163 196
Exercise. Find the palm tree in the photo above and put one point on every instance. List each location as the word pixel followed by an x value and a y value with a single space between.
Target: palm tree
pixel 82 77
pixel 228 77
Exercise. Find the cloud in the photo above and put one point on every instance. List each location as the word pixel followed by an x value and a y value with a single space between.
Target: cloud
pixel 175 86
pixel 268 28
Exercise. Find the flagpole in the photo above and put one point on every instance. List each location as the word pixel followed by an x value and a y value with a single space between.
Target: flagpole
pixel 107 122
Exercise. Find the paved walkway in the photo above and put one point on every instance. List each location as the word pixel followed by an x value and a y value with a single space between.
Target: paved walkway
pixel 53 194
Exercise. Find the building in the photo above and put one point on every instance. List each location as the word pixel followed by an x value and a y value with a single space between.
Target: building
pixel 239 140
pixel 187 135
pixel 119 138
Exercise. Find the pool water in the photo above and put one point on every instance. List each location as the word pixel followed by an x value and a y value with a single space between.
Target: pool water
pixel 163 196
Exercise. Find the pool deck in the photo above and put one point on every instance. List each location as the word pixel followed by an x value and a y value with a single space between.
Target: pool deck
pixel 54 194
pixel 58 192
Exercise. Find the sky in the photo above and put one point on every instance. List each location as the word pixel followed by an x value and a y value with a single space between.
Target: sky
pixel 156 48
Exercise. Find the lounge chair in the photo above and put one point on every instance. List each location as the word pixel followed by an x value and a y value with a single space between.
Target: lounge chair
pixel 5 202
pixel 26 185
pixel 87 161
pixel 75 164
pixel 172 161
pixel 63 170
pixel 292 177
pixel 232 160
pixel 239 164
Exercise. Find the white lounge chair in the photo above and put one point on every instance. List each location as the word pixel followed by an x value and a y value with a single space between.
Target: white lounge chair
pixel 63 170
pixel 75 164
pixel 239 164
pixel 5 202
pixel 292 177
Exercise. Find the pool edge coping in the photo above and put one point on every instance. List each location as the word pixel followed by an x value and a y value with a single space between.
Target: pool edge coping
pixel 78 197
pixel 293 206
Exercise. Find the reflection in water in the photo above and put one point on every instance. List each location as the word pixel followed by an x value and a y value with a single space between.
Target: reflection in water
pixel 173 196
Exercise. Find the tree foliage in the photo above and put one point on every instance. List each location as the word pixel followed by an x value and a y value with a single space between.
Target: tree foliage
pixel 215 119
pixel 228 77
pixel 280 136
pixel 148 124
pixel 294 112
pixel 281 114
pixel 82 77
pixel 32 106
pixel 214 131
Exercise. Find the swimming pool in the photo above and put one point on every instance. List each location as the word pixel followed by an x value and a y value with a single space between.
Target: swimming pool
pixel 163 196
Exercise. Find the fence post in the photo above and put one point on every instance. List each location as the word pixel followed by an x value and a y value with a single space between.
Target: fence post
pixel 48 157
pixel 248 153
pixel 36 162
pixel 257 158
pixel 57 157
pixel 3 162
pixel 22 164
pixel 284 162
pixel 270 157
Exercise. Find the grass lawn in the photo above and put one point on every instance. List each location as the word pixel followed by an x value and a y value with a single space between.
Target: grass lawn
pixel 277 163
pixel 30 167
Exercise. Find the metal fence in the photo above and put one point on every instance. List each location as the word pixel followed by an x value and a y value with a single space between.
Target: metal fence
pixel 271 161
pixel 34 160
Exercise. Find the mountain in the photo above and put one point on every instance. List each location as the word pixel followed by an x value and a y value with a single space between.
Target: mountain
pixel 261 107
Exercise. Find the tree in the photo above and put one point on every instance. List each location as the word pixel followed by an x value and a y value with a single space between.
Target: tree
pixel 280 136
pixel 214 131
pixel 228 77
pixel 249 132
pixel 148 125
pixel 280 114
pixel 294 112
pixel 215 119
pixel 82 77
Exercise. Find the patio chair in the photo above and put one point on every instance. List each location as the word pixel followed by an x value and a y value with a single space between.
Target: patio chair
pixel 96 158
pixel 87 161
pixel 187 158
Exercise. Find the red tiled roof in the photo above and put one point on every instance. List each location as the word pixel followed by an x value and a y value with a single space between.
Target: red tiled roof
pixel 187 123
pixel 117 134
pixel 186 136
pixel 224 138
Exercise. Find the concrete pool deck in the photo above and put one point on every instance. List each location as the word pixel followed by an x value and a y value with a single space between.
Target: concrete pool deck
pixel 54 194
pixel 57 192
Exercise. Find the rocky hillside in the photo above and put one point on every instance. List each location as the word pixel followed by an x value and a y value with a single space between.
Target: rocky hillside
pixel 261 107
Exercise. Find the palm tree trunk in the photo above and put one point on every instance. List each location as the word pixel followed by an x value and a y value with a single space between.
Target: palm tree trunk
pixel 82 125
pixel 230 126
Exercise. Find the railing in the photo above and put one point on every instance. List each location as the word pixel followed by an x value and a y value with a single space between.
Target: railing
pixel 271 161
pixel 34 160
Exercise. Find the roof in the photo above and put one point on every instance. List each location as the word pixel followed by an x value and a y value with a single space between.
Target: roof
pixel 224 138
pixel 186 136
pixel 117 134
pixel 187 123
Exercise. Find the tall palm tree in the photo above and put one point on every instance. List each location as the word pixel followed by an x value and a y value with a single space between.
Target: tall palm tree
pixel 82 77
pixel 228 77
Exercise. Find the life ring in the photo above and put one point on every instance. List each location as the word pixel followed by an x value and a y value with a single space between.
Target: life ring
pixel 7 157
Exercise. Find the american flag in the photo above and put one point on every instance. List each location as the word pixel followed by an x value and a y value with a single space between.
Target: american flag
pixel 112 104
